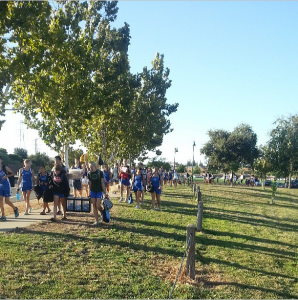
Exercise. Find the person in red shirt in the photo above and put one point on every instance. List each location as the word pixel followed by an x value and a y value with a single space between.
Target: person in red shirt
pixel 125 175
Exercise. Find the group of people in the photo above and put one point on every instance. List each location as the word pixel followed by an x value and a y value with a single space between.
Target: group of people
pixel 95 182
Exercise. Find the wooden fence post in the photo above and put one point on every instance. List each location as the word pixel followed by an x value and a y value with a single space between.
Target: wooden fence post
pixel 190 261
pixel 200 216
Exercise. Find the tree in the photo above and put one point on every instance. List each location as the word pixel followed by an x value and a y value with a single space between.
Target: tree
pixel 196 170
pixel 2 150
pixel 228 151
pixel 39 159
pixel 21 152
pixel 282 147
pixel 262 165
pixel 180 168
pixel 190 163
pixel 161 162
pixel 73 154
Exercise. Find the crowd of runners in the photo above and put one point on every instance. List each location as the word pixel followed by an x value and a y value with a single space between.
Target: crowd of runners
pixel 94 182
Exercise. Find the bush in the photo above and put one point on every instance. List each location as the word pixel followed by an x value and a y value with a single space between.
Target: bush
pixel 15 158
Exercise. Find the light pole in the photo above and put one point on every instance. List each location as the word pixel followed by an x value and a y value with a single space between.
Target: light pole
pixel 176 150
pixel 193 159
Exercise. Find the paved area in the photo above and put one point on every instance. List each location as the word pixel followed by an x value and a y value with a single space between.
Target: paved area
pixel 23 221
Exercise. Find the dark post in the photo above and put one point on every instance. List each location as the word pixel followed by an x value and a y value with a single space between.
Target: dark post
pixel 200 216
pixel 190 262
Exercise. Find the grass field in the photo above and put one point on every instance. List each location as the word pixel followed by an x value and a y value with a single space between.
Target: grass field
pixel 248 249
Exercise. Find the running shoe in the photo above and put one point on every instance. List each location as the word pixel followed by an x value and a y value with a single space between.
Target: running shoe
pixel 95 223
pixel 126 200
pixel 26 213
pixel 3 219
pixel 137 207
pixel 59 213
pixel 31 209
pixel 43 213
pixel 152 208
pixel 16 212
pixel 48 211
pixel 53 219
pixel 121 199
pixel 159 209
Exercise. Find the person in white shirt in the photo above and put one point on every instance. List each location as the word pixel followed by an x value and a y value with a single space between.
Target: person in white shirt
pixel 175 178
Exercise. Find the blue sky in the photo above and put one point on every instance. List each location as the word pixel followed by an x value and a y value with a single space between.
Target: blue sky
pixel 230 62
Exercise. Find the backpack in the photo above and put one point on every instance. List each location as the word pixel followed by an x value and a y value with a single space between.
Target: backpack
pixel 11 179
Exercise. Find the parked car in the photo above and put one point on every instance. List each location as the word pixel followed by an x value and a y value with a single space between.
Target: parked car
pixel 267 182
pixel 294 184
pixel 280 185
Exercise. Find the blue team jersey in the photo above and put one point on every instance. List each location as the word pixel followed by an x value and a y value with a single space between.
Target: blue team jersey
pixel 26 178
pixel 138 181
pixel 155 182
pixel 44 179
pixel 106 175
pixel 4 183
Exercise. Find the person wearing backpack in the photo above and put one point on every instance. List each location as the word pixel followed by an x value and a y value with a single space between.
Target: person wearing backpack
pixel 60 186
pixel 97 189
pixel 156 182
pixel 27 181
pixel 43 180
pixel 5 189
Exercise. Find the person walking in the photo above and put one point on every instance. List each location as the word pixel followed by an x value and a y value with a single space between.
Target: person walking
pixel 60 185
pixel 43 180
pixel 138 183
pixel 170 178
pixel 97 189
pixel 125 173
pixel 27 181
pixel 175 178
pixel 77 183
pixel 5 190
pixel 107 177
pixel 156 181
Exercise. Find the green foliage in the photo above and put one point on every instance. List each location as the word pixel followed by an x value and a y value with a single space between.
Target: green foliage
pixel 73 154
pixel 41 159
pixel 2 150
pixel 228 151
pixel 196 170
pixel 180 168
pixel 282 147
pixel 21 152
pixel 15 158
pixel 155 162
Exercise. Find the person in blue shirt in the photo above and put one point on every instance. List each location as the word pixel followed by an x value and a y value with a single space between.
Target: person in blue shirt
pixel 165 178
pixel 27 181
pixel 5 189
pixel 156 182
pixel 43 180
pixel 107 177
pixel 138 183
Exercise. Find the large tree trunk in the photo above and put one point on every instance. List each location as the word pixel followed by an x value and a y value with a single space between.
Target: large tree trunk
pixel 290 176
pixel 66 156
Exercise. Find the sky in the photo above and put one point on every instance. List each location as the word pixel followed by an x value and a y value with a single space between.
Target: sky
pixel 230 62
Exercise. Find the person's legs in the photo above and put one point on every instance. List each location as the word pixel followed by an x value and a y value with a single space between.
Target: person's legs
pixel 63 202
pixel 26 202
pixel 138 197
pixel 59 207
pixel 95 211
pixel 2 206
pixel 152 200
pixel 98 205
pixel 28 198
pixel 121 190
pixel 127 191
pixel 7 201
pixel 75 192
pixel 158 200
pixel 56 203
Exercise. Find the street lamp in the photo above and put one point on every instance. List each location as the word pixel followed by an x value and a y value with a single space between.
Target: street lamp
pixel 176 150
pixel 193 159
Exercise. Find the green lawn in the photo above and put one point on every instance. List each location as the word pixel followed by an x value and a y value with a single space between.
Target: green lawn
pixel 248 250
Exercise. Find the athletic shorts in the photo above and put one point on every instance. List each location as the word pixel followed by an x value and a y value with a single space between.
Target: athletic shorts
pixel 125 182
pixel 77 185
pixel 60 195
pixel 26 188
pixel 5 193
pixel 157 191
pixel 96 195
pixel 137 188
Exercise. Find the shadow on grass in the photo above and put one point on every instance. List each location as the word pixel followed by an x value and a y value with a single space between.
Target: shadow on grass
pixel 237 212
pixel 209 260
pixel 285 295
pixel 251 221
